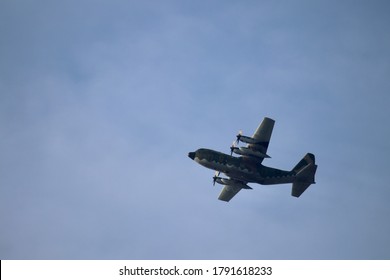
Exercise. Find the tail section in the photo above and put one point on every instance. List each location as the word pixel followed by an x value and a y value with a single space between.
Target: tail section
pixel 305 171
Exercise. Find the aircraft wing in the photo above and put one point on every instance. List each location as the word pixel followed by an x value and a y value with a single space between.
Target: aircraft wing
pixel 263 135
pixel 231 188
pixel 228 192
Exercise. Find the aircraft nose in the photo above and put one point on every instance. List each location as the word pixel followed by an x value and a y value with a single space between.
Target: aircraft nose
pixel 191 155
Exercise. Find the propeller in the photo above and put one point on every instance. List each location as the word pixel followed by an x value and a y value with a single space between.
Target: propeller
pixel 215 177
pixel 232 147
pixel 238 137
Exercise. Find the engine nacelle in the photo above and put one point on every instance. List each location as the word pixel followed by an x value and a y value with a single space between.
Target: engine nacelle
pixel 247 139
pixel 231 182
pixel 244 151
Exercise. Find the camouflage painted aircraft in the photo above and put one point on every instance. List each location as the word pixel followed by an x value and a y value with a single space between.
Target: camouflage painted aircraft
pixel 247 168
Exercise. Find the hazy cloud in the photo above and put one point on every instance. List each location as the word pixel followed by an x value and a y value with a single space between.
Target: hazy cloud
pixel 101 101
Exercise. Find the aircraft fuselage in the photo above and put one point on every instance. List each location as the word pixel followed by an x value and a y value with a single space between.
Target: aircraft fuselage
pixel 241 168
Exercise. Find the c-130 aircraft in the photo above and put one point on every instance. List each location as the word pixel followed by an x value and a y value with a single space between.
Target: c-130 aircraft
pixel 247 168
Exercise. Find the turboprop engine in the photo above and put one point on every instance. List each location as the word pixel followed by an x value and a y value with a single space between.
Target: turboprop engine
pixel 231 182
pixel 244 151
pixel 246 139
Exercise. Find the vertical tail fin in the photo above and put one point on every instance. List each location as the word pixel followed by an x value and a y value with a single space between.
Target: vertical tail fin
pixel 305 171
pixel 307 159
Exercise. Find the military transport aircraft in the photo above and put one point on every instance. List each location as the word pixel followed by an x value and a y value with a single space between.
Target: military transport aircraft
pixel 247 168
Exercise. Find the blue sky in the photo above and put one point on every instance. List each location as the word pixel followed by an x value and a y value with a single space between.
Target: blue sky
pixel 101 101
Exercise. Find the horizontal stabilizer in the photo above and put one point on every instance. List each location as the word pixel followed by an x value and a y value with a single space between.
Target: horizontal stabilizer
pixel 305 172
